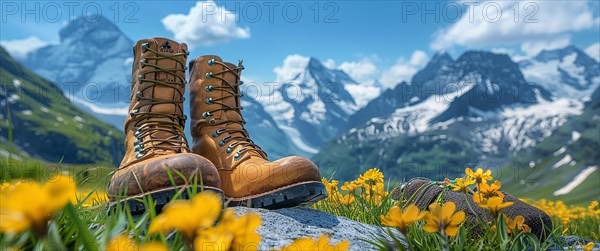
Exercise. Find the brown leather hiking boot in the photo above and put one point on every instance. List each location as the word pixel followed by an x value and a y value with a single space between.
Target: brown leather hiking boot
pixel 247 176
pixel 158 161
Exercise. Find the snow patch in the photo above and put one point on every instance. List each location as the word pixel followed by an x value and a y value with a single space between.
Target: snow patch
pixel 524 126
pixel 79 119
pixel 566 159
pixel 17 83
pixel 560 151
pixel 411 120
pixel 297 139
pixel 580 178
pixel 575 135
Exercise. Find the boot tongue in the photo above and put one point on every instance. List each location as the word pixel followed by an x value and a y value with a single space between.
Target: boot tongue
pixel 161 92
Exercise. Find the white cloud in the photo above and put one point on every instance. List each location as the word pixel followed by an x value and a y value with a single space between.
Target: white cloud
pixel 554 18
pixel 205 24
pixel 329 63
pixel 363 92
pixel 532 48
pixel 594 51
pixel 419 58
pixel 403 70
pixel 501 50
pixel 360 71
pixel 292 65
pixel 19 48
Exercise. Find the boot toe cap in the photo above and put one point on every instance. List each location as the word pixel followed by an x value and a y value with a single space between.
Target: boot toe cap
pixel 156 173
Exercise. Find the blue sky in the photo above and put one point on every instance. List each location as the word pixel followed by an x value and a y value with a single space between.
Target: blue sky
pixel 384 41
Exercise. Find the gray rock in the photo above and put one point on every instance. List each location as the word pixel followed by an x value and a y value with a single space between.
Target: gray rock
pixel 572 243
pixel 280 227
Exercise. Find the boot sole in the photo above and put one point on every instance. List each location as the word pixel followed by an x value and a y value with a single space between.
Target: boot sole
pixel 299 194
pixel 160 197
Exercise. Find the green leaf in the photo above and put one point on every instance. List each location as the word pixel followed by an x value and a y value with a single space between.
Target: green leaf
pixel 83 233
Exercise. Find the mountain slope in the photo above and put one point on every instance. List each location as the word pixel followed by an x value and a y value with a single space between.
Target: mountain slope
pixel 477 110
pixel 404 94
pixel 46 125
pixel 564 166
pixel 313 106
pixel 566 72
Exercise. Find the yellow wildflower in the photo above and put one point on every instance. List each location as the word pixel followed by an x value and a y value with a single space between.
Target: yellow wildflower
pixel 462 184
pixel 231 233
pixel 494 204
pixel 396 218
pixel 313 244
pixel 187 216
pixel 491 190
pixel 330 186
pixel 372 175
pixel 346 199
pixel 479 175
pixel 350 186
pixel 589 246
pixel 29 205
pixel 123 243
pixel 443 219
pixel 516 224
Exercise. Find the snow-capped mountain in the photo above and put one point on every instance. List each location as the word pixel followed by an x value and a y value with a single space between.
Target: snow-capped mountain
pixel 404 94
pixel 479 109
pixel 567 72
pixel 313 106
pixel 91 64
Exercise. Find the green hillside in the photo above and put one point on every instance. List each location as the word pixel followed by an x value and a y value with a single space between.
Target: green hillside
pixel 37 120
pixel 558 160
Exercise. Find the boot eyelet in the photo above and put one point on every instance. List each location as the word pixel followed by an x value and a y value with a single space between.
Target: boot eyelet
pixel 139 148
pixel 209 75
pixel 145 46
pixel 211 62
pixel 208 101
pixel 217 132
pixel 206 114
pixel 136 134
pixel 237 156
pixel 133 113
pixel 140 77
pixel 139 155
pixel 139 96
pixel 143 61
pixel 221 143
pixel 212 121
pixel 228 150
pixel 208 88
pixel 136 143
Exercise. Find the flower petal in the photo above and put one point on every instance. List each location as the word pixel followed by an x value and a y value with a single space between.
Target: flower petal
pixel 451 230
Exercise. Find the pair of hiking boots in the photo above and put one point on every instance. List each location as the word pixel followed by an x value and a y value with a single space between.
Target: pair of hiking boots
pixel 222 158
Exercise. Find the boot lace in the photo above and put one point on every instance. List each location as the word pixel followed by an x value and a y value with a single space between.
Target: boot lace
pixel 232 90
pixel 174 123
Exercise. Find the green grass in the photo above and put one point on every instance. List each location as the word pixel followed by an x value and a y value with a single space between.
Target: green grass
pixel 78 227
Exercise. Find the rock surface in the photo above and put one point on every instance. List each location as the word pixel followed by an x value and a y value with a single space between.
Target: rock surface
pixel 280 227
